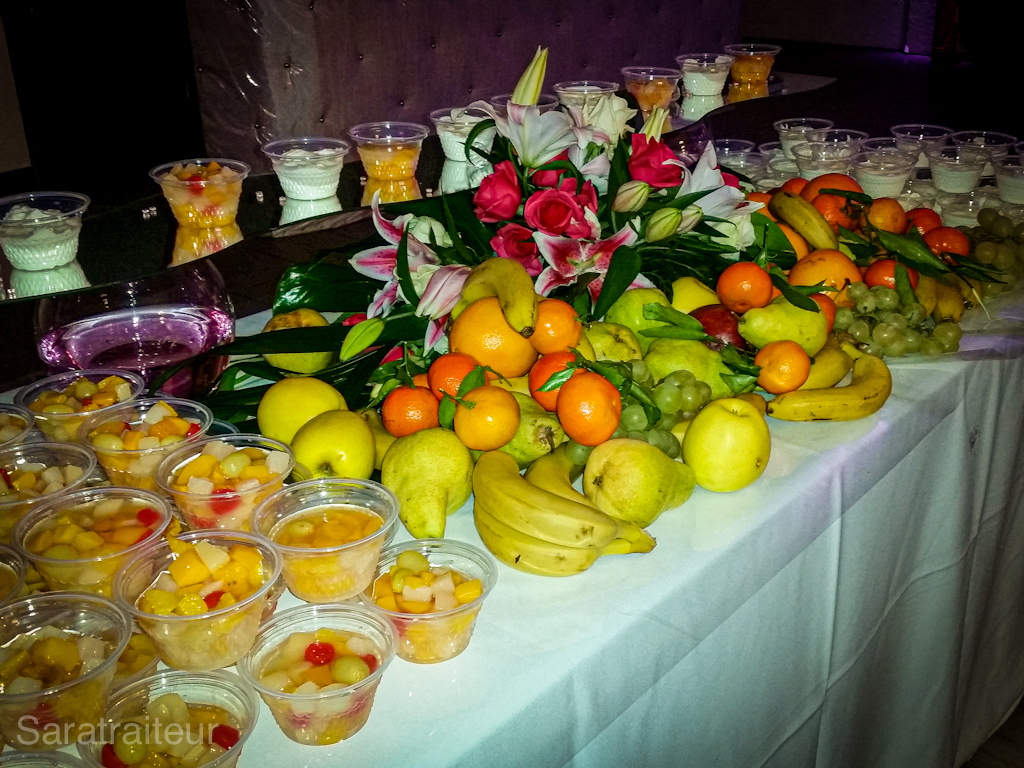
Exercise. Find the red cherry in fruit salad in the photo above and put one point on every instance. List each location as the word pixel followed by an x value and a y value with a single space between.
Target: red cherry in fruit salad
pixel 109 759
pixel 213 598
pixel 193 429
pixel 319 653
pixel 195 184
pixel 224 736
pixel 224 500
pixel 147 515
pixel 371 661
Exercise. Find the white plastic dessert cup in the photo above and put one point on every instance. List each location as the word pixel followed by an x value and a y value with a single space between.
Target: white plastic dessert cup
pixel 815 159
pixel 327 716
pixel 770 150
pixel 388 149
pixel 931 135
pixel 137 468
pixel 783 168
pixel 704 74
pixel 308 167
pixel 847 136
pixel 583 93
pixel 453 126
pixel 1010 178
pixel 546 102
pixel 328 574
pixel 961 210
pixel 49 455
pixel 198 202
pixel 752 62
pixel 20 422
pixel 13 568
pixel 956 168
pixel 883 173
pixel 741 156
pixel 652 86
pixel 87 574
pixel 220 689
pixel 891 144
pixel 429 638
pixel 229 510
pixel 998 145
pixel 794 130
pixel 39 230
pixel 63 427
pixel 78 705
pixel 205 641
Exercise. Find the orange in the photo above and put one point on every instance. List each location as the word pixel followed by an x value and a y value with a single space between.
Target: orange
pixel 482 332
pixel 421 380
pixel 795 185
pixel 883 272
pixel 744 285
pixel 888 215
pixel 837 211
pixel 828 266
pixel 784 366
pixel 827 306
pixel 589 408
pixel 558 327
pixel 829 181
pixel 409 409
pixel 447 372
pixel 762 197
pixel 800 246
pixel 543 370
pixel 923 219
pixel 486 418
pixel 947 240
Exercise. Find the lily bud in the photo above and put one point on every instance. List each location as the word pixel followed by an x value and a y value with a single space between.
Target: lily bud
pixel 662 224
pixel 527 90
pixel 691 216
pixel 360 337
pixel 631 197
pixel 655 124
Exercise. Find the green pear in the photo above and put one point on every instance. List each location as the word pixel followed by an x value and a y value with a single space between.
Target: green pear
pixel 431 473
pixel 628 310
pixel 298 363
pixel 635 482
pixel 613 342
pixel 780 321
pixel 669 355
pixel 539 432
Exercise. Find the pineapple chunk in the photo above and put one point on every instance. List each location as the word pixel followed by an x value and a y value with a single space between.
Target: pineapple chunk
pixel 213 557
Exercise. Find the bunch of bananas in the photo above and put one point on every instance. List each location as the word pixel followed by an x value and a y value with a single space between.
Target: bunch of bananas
pixel 540 523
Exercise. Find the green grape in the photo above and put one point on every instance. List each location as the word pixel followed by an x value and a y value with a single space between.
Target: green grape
pixel 633 418
pixel 844 317
pixel 871 348
pixel 667 398
pixel 619 432
pixel 641 373
pixel 986 250
pixel 885 334
pixel 896 319
pixel 952 347
pixel 664 441
pixel 1018 231
pixel 857 291
pixel 913 340
pixel 1001 227
pixel 947 334
pixel 931 347
pixel 964 229
pixel 636 434
pixel 986 216
pixel 860 330
pixel 915 314
pixel 866 304
pixel 680 379
pixel 885 298
pixel 704 391
pixel 991 289
pixel 690 399
pixel 1006 256
pixel 667 421
pixel 897 348
pixel 578 454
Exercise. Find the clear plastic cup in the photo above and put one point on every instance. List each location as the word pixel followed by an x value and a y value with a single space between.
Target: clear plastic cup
pixel 838 136
pixel 219 689
pixel 931 135
pixel 389 150
pixel 794 130
pixel 328 574
pixel 883 173
pixel 39 230
pixel 205 641
pixel 75 706
pixel 1014 213
pixel 907 146
pixel 704 74
pixel 16 424
pixel 207 197
pixel 191 243
pixel 770 150
pixel 330 714
pixel 956 168
pixel 652 86
pixel 12 573
pixel 130 667
pixel 137 469
pixel 733 147
pixel 998 145
pixel 391 190
pixel 1010 178
pixel 453 126
pixel 86 509
pixel 63 427
pixel 429 638
pixel 584 93
pixel 740 155
pixel 308 167
pixel 39 760
pixel 752 61
pixel 815 159
pixel 546 102
pixel 962 210
pixel 783 168
pixel 228 509
pixel 49 455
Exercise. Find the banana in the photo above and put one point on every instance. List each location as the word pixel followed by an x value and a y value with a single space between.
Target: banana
pixel 533 511
pixel 804 218
pixel 926 293
pixel 509 281
pixel 754 399
pixel 972 290
pixel 870 388
pixel 830 365
pixel 554 473
pixel 528 553
pixel 949 304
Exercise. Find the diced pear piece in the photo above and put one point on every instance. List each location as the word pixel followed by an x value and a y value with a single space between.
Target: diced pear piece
pixel 212 556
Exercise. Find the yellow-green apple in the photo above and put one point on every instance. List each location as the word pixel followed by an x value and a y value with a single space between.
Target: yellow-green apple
pixel 335 444
pixel 291 402
pixel 727 445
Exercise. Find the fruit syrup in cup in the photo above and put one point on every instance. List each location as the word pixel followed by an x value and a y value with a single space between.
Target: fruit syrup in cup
pixel 931 135
pixel 328 574
pixel 205 641
pixel 207 198
pixel 324 717
pixel 793 131
pixel 752 61
pixel 956 169
pixel 652 86
pixel 389 150
pixel 12 574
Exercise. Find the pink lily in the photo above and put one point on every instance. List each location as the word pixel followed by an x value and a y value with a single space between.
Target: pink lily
pixel 443 291
pixel 570 259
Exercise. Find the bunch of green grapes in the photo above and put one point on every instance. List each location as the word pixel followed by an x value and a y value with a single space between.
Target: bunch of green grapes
pixel 886 327
pixel 999 242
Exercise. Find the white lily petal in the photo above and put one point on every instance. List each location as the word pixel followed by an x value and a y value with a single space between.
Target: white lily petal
pixel 721 203
pixel 538 138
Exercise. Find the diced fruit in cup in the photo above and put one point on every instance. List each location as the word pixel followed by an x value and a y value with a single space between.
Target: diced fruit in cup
pixel 8 580
pixel 137 655
pixel 28 481
pixel 326 527
pixel 83 396
pixel 11 425
pixel 390 161
pixel 209 197
pixel 649 94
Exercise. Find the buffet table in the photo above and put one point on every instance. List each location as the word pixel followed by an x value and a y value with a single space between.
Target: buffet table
pixel 859 605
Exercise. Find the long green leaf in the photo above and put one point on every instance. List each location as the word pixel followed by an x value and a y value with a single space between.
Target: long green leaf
pixel 479 128
pixel 675 332
pixel 914 253
pixel 794 297
pixel 466 255
pixel 903 287
pixel 325 287
pixel 622 271
pixel 403 271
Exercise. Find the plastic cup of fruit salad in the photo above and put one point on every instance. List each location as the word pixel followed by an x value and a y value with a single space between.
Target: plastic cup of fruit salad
pixel 652 86
pixel 203 191
pixel 218 482
pixel 33 473
pixel 389 150
pixel 752 61
pixel 188 718
pixel 79 540
pixel 12 573
pixel 330 532
pixel 15 424
pixel 62 402
pixel 130 440
pixel 58 653
pixel 39 760
pixel 201 605
pixel 317 668
pixel 39 230
pixel 434 620
pixel 138 660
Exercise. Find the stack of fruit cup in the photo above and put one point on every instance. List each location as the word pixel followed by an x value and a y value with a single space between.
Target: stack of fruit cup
pixel 794 130
pixel 12 574
pixel 15 424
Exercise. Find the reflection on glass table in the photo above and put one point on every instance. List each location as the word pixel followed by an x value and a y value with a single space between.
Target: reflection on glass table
pixel 391 190
pixel 745 91
pixel 42 282
pixel 191 243
pixel 695 107
pixel 297 210
pixel 456 176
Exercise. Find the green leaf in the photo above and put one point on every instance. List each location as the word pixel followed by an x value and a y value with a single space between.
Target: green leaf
pixel 479 128
pixel 845 234
pixel 670 315
pixel 563 165
pixel 740 383
pixel 558 378
pixel 403 272
pixel 903 287
pixel 475 378
pixel 858 197
pixel 622 271
pixel 582 305
pixel 914 253
pixel 685 201
pixel 446 412
pixel 325 287
pixel 465 255
pixel 676 332
pixel 258 368
pixel 794 297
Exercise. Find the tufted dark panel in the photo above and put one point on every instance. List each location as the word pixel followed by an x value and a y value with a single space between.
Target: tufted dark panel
pixel 271 69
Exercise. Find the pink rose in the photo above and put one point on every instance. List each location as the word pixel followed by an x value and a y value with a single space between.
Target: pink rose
pixel 550 178
pixel 552 211
pixel 649 162
pixel 499 195
pixel 587 198
pixel 730 180
pixel 516 242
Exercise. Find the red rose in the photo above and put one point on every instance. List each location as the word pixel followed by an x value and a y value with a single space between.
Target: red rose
pixel 550 178
pixel 648 163
pixel 730 180
pixel 355 319
pixel 552 211
pixel 516 242
pixel 587 198
pixel 499 195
